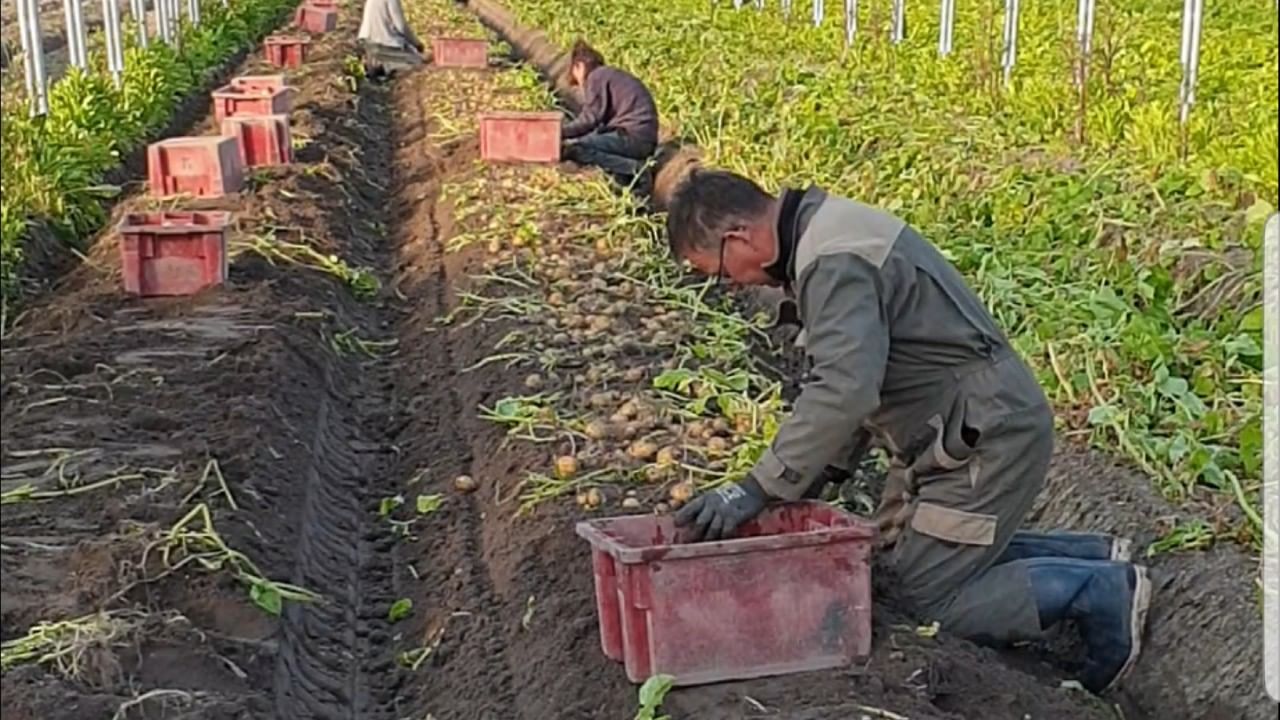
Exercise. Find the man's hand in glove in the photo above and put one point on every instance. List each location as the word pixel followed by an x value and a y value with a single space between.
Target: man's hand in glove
pixel 717 514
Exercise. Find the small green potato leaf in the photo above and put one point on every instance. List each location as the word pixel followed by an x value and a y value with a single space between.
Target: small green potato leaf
pixel 428 504
pixel 266 597
pixel 400 610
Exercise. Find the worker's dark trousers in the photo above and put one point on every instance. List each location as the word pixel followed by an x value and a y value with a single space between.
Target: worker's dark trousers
pixel 964 512
pixel 621 156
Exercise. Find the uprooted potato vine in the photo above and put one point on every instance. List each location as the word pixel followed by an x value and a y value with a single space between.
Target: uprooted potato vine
pixel 1128 276
pixel 635 375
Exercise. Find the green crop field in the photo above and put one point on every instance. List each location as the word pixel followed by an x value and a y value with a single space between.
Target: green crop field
pixel 1119 249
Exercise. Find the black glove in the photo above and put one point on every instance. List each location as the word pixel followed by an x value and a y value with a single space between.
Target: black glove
pixel 717 514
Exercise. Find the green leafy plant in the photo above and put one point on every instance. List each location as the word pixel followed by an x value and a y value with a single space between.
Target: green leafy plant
pixel 399 610
pixel 652 693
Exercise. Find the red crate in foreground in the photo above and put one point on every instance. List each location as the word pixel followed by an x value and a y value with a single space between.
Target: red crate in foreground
pixel 460 52
pixel 207 166
pixel 520 137
pixel 252 95
pixel 316 19
pixel 264 139
pixel 286 50
pixel 790 593
pixel 173 253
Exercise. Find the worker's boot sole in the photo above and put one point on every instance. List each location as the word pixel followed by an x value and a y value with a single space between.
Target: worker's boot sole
pixel 1137 624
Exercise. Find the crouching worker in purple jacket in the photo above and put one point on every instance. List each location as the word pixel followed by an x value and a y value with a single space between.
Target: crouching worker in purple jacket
pixel 617 129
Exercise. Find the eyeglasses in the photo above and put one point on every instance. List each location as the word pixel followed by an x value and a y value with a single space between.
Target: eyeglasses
pixel 720 266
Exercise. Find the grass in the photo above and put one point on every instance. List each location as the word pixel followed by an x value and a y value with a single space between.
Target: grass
pixel 1124 264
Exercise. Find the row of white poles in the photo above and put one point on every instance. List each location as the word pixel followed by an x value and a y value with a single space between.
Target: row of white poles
pixel 168 15
pixel 1192 22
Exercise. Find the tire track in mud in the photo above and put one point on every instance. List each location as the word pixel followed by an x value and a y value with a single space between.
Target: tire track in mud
pixel 331 653
pixel 335 659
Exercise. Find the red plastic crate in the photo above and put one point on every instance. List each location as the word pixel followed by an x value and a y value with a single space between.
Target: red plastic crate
pixel 285 50
pixel 206 166
pixel 520 137
pixel 252 95
pixel 265 83
pixel 263 139
pixel 315 19
pixel 173 253
pixel 790 593
pixel 460 52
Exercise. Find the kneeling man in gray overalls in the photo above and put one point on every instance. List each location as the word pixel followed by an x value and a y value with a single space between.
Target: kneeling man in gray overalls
pixel 902 351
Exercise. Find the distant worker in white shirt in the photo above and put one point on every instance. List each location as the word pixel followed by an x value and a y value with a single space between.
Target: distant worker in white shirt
pixel 389 43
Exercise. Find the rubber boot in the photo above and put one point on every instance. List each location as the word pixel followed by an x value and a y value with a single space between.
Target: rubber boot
pixel 1107 599
pixel 1057 543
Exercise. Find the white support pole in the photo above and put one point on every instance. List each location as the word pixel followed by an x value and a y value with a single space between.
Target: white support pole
pixel 819 11
pixel 1084 35
pixel 175 22
pixel 77 54
pixel 899 21
pixel 1010 38
pixel 115 39
pixel 33 56
pixel 138 9
pixel 1192 20
pixel 163 28
pixel 946 28
pixel 850 21
pixel 193 12
pixel 786 9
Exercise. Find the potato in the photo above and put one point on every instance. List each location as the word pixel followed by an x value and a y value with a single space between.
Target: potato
pixel 495 246
pixel 464 484
pixel 596 430
pixel 634 375
pixel 555 298
pixel 566 466
pixel 629 409
pixel 669 456
pixel 602 399
pixel 717 447
pixel 743 424
pixel 590 499
pixel 681 493
pixel 630 503
pixel 534 381
pixel 642 450
pixel 656 473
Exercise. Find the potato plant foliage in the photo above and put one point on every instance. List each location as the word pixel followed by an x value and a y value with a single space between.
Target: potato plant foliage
pixel 54 166
pixel 1121 253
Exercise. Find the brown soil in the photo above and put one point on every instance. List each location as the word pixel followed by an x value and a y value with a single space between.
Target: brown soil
pixel 311 441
